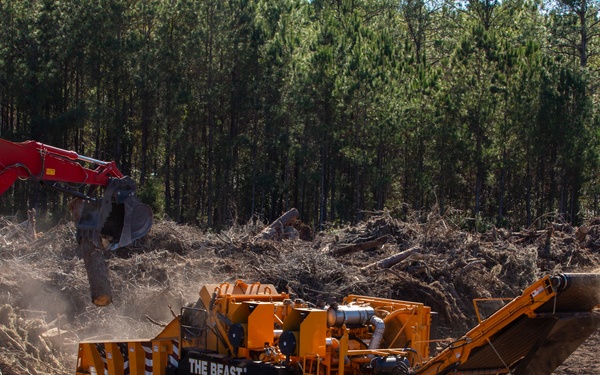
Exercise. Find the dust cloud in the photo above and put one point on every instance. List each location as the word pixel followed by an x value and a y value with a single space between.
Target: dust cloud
pixel 45 305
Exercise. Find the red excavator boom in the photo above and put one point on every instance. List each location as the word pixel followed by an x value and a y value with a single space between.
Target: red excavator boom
pixel 117 215
pixel 40 162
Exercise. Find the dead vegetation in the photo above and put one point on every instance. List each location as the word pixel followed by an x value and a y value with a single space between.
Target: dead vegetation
pixel 45 306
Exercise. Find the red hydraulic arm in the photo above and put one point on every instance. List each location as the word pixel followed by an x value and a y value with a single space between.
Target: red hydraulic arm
pixel 109 217
pixel 111 212
pixel 40 162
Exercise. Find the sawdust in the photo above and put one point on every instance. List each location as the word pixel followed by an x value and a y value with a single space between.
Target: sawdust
pixel 45 307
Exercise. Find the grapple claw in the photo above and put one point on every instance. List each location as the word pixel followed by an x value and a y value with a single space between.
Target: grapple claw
pixel 137 221
pixel 119 217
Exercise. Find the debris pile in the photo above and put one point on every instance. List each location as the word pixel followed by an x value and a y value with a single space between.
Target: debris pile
pixel 45 307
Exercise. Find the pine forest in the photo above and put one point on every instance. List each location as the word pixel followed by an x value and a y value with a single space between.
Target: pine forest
pixel 227 111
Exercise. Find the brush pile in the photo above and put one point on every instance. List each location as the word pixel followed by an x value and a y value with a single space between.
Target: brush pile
pixel 45 307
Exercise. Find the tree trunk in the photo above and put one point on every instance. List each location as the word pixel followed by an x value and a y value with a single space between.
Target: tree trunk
pixel 97 271
pixel 359 246
pixel 393 260
pixel 276 229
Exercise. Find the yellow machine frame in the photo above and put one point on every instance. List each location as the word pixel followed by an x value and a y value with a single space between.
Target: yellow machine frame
pixel 254 322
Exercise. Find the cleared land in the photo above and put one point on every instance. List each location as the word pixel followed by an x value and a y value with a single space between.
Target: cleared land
pixel 45 308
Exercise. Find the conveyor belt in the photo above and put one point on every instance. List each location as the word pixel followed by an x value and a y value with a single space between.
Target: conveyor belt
pixel 537 345
pixel 581 293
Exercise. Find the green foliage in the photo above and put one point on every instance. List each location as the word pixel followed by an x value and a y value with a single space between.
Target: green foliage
pixel 152 194
pixel 227 110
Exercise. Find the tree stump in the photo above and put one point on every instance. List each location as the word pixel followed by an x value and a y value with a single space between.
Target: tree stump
pixel 97 272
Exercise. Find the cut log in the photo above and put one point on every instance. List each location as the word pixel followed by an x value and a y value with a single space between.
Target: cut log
pixel 354 248
pixel 582 232
pixel 562 227
pixel 393 260
pixel 97 272
pixel 291 233
pixel 276 230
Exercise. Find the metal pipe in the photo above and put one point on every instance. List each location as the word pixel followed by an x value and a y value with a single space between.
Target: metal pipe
pixel 378 333
pixel 91 160
pixel 350 315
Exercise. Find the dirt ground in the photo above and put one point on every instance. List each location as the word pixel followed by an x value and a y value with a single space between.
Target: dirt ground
pixel 45 306
pixel 584 360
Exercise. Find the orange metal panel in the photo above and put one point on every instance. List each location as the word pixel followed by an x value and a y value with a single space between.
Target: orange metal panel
pixel 261 324
pixel 137 358
pixel 88 359
pixel 171 331
pixel 114 359
pixel 313 334
pixel 160 349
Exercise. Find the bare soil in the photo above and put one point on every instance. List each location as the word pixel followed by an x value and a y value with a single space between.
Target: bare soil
pixel 45 306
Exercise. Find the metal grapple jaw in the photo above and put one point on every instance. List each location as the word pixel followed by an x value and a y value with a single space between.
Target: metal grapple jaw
pixel 118 217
